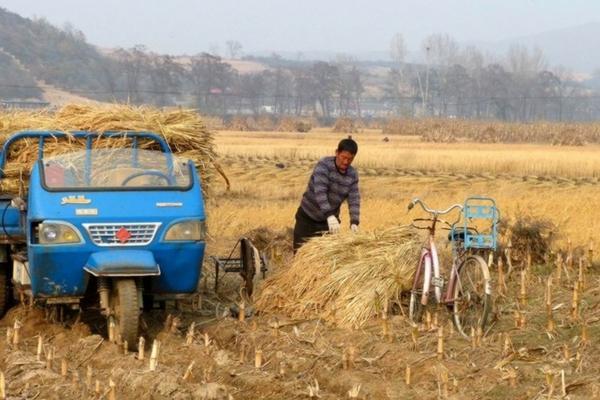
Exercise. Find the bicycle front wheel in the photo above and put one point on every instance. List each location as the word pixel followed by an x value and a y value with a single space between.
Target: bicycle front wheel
pixel 472 295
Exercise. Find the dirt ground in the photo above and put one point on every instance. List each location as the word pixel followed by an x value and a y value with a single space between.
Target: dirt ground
pixel 300 359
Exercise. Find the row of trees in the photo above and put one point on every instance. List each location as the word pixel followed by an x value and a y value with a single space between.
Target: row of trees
pixel 448 81
pixel 444 79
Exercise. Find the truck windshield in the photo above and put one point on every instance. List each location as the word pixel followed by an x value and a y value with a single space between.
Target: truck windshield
pixel 125 168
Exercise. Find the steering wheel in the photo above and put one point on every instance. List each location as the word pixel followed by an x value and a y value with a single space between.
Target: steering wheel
pixel 151 172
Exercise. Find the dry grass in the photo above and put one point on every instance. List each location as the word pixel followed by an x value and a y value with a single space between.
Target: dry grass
pixel 344 279
pixel 184 131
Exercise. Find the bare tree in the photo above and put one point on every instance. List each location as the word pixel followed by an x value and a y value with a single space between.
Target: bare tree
pixel 234 48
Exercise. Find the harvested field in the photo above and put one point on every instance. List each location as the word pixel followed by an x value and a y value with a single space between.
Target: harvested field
pixel 541 344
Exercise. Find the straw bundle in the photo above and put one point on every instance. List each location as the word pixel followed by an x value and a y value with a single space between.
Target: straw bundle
pixel 343 279
pixel 185 132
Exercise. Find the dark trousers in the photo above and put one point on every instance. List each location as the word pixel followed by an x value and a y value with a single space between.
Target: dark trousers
pixel 306 228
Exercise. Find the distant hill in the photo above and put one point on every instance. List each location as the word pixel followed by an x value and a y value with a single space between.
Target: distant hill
pixel 574 47
pixel 36 50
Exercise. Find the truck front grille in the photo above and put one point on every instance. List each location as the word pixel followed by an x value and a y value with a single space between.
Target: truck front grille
pixel 132 233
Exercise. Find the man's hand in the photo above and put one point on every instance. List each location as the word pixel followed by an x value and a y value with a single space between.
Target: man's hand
pixel 333 224
pixel 354 228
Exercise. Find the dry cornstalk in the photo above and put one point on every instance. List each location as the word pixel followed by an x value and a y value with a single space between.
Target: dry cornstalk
pixel 584 333
pixel 562 383
pixel 473 338
pixel 9 335
pixel 351 356
pixel 281 371
pixel 88 377
pixel 206 340
pixel 570 258
pixel 243 352
pixel 566 353
pixel 97 387
pixel 427 320
pixel 154 355
pixel 111 330
pixel 508 256
pixel 112 394
pixel 2 386
pixel 559 268
pixel 258 358
pixel 550 319
pixel 575 303
pixel 478 336
pixel 40 348
pixel 242 311
pixel 523 292
pixel 189 337
pixel 50 357
pixel 501 280
pixel 550 382
pixel 63 367
pixel 75 379
pixel 188 371
pixel 141 348
pixel 507 345
pixel 440 343
pixel 355 391
pixel 16 332
pixel 125 347
pixel 414 334
pixel 407 375
pixel 168 322
pixel 591 253
pixel 443 383
pixel 528 261
pixel 581 275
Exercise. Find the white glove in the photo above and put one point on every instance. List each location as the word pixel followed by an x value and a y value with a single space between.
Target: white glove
pixel 354 228
pixel 333 224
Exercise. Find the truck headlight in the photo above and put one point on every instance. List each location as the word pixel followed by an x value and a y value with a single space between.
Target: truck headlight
pixel 51 232
pixel 186 231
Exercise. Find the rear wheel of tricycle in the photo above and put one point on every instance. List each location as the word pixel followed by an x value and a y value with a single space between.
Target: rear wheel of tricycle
pixel 126 311
pixel 4 290
pixel 472 296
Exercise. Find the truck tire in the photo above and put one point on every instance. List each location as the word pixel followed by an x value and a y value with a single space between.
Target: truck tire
pixel 126 311
pixel 4 290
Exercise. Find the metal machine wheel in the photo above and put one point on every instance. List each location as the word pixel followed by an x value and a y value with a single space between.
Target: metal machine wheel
pixel 248 265
pixel 125 310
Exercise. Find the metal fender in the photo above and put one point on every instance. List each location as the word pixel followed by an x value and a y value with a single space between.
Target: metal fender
pixel 122 263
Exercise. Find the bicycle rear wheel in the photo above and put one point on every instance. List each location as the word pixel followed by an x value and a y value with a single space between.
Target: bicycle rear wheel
pixel 472 295
pixel 415 307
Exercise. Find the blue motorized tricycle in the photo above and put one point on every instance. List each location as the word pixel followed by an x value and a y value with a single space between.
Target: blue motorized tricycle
pixel 120 224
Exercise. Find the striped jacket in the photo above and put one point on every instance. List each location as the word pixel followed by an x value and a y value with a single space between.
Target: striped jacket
pixel 328 188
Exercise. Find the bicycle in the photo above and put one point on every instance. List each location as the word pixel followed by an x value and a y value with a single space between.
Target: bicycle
pixel 468 290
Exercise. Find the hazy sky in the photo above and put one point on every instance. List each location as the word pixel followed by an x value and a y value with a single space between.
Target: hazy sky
pixel 188 26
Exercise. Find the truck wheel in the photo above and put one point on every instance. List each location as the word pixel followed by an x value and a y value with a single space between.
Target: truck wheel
pixel 4 290
pixel 126 311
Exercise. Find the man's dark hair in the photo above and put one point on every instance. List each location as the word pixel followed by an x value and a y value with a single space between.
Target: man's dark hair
pixel 348 145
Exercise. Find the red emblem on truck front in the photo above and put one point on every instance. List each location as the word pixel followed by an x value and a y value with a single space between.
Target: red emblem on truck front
pixel 123 235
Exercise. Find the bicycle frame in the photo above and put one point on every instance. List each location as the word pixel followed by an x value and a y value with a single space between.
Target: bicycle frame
pixel 432 275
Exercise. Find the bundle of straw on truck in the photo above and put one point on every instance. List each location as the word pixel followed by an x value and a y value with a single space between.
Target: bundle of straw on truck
pixel 343 279
pixel 184 130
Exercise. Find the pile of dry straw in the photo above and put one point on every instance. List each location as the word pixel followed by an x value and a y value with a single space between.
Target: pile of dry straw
pixel 343 279
pixel 184 130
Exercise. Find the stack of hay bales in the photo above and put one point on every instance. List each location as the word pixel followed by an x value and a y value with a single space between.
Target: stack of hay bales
pixel 184 131
pixel 344 279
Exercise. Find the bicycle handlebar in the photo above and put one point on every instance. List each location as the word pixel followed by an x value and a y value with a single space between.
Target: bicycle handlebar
pixel 418 201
